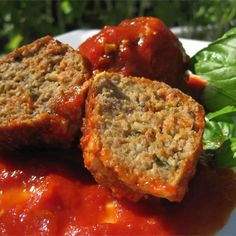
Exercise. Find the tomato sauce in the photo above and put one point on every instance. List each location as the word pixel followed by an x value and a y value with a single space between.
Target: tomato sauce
pixel 143 47
pixel 52 194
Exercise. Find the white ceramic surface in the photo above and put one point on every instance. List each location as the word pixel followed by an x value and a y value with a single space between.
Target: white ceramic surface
pixel 76 37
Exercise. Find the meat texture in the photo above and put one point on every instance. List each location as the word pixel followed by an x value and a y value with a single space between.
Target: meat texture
pixel 42 92
pixel 141 137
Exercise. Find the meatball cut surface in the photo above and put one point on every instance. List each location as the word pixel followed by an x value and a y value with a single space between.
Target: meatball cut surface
pixel 42 90
pixel 141 137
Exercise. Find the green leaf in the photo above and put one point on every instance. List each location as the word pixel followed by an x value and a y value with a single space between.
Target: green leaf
pixel 228 33
pixel 216 133
pixel 219 136
pixel 224 112
pixel 217 65
pixel 226 155
pixel 220 126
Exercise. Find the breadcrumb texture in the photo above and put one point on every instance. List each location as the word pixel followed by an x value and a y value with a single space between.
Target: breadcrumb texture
pixel 42 91
pixel 141 137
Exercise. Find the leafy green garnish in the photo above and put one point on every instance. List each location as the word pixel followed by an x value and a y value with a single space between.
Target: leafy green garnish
pixel 226 155
pixel 216 133
pixel 220 137
pixel 217 65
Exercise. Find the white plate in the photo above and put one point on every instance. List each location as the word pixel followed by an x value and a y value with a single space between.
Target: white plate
pixel 76 37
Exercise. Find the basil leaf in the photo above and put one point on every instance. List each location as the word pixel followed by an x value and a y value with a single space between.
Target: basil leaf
pixel 228 111
pixel 226 155
pixel 228 33
pixel 217 65
pixel 219 136
pixel 220 126
pixel 216 133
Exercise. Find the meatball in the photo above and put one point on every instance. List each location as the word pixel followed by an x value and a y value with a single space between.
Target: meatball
pixel 42 92
pixel 141 137
pixel 142 46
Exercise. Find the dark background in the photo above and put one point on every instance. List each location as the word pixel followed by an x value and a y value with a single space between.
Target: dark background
pixel 22 21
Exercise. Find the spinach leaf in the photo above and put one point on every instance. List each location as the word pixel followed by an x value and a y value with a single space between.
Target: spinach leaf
pixel 217 65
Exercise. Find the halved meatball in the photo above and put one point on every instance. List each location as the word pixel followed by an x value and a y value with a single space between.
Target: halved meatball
pixel 141 137
pixel 42 91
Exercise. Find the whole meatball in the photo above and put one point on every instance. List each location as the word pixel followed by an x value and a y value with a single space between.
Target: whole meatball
pixel 142 46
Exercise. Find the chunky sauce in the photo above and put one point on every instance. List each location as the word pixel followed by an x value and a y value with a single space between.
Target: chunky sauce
pixel 142 46
pixel 51 194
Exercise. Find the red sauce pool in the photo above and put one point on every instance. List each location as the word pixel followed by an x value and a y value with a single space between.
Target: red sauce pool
pixel 51 194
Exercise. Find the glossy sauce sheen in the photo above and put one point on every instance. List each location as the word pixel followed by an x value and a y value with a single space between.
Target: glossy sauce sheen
pixel 51 194
pixel 142 46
